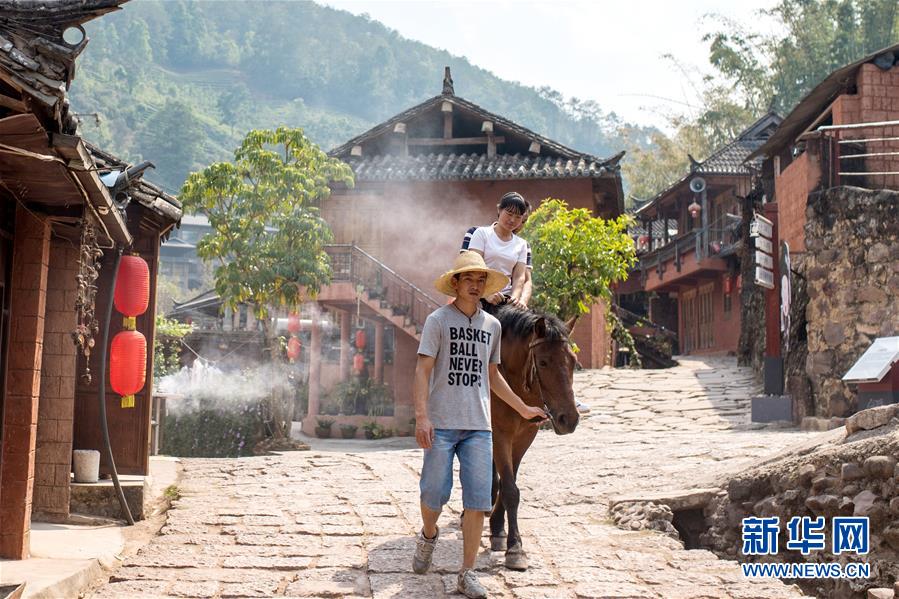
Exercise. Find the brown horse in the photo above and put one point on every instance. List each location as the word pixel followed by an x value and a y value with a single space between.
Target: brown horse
pixel 538 364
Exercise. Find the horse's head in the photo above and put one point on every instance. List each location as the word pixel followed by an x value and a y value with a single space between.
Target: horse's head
pixel 550 374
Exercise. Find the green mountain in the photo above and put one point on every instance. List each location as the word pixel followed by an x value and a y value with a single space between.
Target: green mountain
pixel 180 82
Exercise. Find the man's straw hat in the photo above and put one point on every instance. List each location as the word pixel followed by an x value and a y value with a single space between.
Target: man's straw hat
pixel 469 261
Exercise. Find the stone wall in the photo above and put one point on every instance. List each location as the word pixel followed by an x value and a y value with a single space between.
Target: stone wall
pixel 852 270
pixel 853 473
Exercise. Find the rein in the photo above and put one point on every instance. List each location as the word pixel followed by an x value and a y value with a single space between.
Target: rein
pixel 534 374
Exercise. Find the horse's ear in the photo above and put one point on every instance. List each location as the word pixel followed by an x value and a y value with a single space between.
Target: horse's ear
pixel 540 328
pixel 569 324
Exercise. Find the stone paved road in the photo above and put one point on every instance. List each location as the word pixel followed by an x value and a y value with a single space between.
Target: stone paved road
pixel 338 521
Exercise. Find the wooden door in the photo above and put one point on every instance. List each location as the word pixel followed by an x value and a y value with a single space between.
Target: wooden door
pixel 706 316
pixel 688 321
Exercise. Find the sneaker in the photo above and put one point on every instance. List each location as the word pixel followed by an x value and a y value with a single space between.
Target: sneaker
pixel 469 585
pixel 582 407
pixel 424 552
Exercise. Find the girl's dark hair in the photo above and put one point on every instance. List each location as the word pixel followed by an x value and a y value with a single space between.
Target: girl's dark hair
pixel 515 202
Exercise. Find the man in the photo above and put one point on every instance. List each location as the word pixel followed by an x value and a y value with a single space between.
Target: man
pixel 457 367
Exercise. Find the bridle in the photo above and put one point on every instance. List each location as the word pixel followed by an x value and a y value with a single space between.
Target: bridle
pixel 533 374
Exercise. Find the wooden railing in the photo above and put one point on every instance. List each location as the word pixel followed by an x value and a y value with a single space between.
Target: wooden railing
pixel 350 263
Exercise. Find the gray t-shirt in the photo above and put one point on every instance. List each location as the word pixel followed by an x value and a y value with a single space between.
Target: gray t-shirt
pixel 459 388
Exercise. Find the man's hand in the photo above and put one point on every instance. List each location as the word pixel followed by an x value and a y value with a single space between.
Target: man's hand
pixel 532 413
pixel 424 432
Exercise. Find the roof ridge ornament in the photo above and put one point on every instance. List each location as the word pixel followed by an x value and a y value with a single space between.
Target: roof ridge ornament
pixel 448 83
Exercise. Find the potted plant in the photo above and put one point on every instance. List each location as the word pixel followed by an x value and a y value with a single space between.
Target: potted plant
pixel 348 430
pixel 323 428
pixel 371 430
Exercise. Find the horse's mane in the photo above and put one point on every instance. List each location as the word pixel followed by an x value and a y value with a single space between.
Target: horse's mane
pixel 520 323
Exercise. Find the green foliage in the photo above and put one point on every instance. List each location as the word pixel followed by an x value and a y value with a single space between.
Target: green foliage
pixel 166 347
pixel 172 493
pixel 576 257
pixel 373 430
pixel 348 431
pixel 324 422
pixel 755 72
pixel 172 138
pixel 360 396
pixel 267 235
pixel 303 64
pixel 213 433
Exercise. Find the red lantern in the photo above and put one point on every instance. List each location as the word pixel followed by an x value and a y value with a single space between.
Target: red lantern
pixel 293 323
pixel 726 284
pixel 360 339
pixel 128 365
pixel 293 349
pixel 694 209
pixel 643 242
pixel 358 363
pixel 132 286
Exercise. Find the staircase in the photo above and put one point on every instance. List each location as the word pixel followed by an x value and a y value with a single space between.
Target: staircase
pixel 653 342
pixel 382 289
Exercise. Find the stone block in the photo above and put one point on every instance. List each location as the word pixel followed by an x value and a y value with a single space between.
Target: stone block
pixel 880 466
pixel 871 418
pixel 881 593
pixel 772 408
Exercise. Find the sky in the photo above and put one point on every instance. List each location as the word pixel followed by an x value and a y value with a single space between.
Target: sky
pixel 608 51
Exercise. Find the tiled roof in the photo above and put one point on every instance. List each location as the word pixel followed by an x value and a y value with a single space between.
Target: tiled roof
pixel 145 193
pixel 343 151
pixel 389 167
pixel 729 160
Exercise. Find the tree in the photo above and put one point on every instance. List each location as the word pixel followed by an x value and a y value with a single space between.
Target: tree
pixel 576 257
pixel 267 234
pixel 233 103
pixel 173 139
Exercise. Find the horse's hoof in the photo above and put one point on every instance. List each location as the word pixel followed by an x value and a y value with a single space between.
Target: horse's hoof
pixel 498 542
pixel 516 559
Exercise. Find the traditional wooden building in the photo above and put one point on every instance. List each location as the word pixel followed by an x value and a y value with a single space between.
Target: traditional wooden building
pixel 688 244
pixel 423 177
pixel 65 209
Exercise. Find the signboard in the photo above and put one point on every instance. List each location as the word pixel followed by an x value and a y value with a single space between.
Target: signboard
pixel 762 227
pixel 875 362
pixel 764 277
pixel 763 259
pixel 764 244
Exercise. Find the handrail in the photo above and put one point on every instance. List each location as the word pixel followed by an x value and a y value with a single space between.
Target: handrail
pixel 394 273
pixel 381 281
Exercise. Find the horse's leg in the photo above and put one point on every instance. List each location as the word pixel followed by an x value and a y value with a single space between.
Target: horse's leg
pixel 497 516
pixel 502 462
pixel 516 558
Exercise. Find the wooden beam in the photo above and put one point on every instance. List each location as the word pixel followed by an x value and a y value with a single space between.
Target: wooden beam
pixel 448 123
pixel 456 141
pixel 491 145
pixel 13 104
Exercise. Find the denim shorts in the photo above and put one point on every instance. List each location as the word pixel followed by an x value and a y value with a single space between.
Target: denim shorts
pixel 475 451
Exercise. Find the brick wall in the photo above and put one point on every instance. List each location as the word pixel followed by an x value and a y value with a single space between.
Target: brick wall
pixel 31 253
pixel 53 459
pixel 791 190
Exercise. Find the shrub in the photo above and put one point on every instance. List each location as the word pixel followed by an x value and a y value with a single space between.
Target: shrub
pixel 348 430
pixel 210 432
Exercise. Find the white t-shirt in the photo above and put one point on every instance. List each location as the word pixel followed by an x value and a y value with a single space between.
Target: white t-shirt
pixel 498 254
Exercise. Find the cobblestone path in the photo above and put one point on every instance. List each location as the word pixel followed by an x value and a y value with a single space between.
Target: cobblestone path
pixel 338 521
